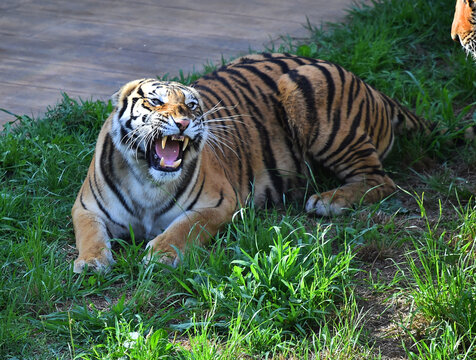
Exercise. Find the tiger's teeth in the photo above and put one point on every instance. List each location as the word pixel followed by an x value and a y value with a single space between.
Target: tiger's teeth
pixel 162 162
pixel 177 163
pixel 164 141
pixel 185 143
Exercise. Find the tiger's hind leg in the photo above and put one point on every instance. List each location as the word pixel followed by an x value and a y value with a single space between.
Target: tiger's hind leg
pixel 330 113
pixel 364 180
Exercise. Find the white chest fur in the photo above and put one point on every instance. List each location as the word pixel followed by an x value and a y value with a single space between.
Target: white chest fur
pixel 150 209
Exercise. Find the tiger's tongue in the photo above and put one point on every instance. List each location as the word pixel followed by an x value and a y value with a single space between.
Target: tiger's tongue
pixel 170 153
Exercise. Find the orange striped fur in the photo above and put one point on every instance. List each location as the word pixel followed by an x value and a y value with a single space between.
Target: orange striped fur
pixel 464 25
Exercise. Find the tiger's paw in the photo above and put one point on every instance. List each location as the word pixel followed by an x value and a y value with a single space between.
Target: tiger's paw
pixel 326 204
pixel 157 254
pixel 100 263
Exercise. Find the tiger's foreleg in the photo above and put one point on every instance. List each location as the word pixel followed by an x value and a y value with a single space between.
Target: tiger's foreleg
pixel 193 227
pixel 92 238
pixel 92 241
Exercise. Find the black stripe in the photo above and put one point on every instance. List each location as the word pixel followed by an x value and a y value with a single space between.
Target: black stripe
pixel 266 149
pixel 350 136
pixel 181 188
pixel 348 152
pixel 344 148
pixel 366 171
pixel 123 108
pixel 388 145
pixel 331 88
pixel 129 121
pixel 106 165
pixel 264 77
pixel 238 136
pixel 369 128
pixel 227 85
pixel 125 98
pixel 101 206
pixel 343 81
pixel 350 96
pixel 109 233
pixel 81 201
pixel 242 81
pixel 221 199
pixel 357 156
pixel 283 66
pixel 307 91
pixel 251 175
pixel 297 60
pixel 333 135
pixel 280 115
pixel 401 119
pixel 269 196
pixel 124 135
pixel 192 204
pixel 97 187
pixel 385 127
pixel 357 91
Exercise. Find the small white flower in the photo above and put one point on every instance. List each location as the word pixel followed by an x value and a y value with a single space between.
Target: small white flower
pixel 134 335
pixel 132 338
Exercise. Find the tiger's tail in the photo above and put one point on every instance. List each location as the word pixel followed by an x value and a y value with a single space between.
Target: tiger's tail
pixel 406 121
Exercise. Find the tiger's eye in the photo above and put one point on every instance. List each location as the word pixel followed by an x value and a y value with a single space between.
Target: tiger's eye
pixel 155 102
pixel 192 105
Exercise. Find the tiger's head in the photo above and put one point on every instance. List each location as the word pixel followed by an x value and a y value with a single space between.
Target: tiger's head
pixel 464 25
pixel 159 126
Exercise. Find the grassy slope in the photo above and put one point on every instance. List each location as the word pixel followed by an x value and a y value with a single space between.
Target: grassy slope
pixel 396 279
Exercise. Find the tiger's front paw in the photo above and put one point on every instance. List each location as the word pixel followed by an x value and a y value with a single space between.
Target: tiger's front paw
pixel 160 253
pixel 101 263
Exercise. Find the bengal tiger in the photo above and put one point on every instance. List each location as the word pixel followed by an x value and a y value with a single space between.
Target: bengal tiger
pixel 464 25
pixel 175 162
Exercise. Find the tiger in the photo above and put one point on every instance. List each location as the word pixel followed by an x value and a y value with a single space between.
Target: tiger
pixel 463 28
pixel 174 163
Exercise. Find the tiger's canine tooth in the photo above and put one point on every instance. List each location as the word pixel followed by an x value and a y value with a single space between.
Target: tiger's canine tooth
pixel 177 163
pixel 162 162
pixel 185 143
pixel 164 141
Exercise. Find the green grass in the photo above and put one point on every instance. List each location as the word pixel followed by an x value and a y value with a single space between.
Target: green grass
pixel 395 279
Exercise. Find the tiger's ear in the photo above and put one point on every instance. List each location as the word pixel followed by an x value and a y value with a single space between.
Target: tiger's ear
pixel 125 91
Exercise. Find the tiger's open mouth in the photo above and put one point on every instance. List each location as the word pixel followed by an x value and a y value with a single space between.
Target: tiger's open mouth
pixel 167 152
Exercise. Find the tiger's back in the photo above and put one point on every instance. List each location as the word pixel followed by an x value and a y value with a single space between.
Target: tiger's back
pixel 293 112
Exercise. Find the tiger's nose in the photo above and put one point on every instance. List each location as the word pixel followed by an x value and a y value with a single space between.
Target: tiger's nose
pixel 182 124
pixel 455 37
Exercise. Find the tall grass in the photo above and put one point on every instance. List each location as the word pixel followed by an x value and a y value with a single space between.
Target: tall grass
pixel 443 270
